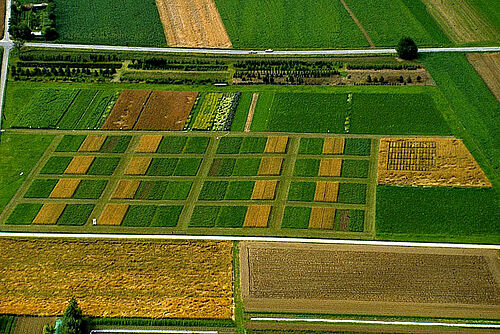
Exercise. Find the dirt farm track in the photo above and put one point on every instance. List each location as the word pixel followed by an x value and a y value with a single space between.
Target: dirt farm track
pixel 371 280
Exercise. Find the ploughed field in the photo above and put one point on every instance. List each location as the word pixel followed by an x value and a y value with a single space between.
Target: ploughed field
pixel 117 279
pixel 370 280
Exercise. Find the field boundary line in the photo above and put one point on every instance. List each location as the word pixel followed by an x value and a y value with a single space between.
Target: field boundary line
pixel 251 111
pixel 379 322
pixel 242 238
pixel 358 23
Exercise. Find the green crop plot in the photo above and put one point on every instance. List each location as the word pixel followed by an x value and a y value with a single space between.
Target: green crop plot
pixel 397 114
pixel 151 190
pixel 289 24
pixel 296 217
pixel 75 214
pixel 229 145
pixel 94 111
pixel 437 211
pixel 56 165
pixel 253 145
pixel 302 191
pixel 172 145
pixel 354 168
pixel 41 188
pixel 166 216
pixel 231 216
pixel 139 215
pixel 162 166
pixel 187 167
pixel 70 143
pixel 103 166
pixel 213 190
pixel 90 189
pixel 306 167
pixel 196 145
pixel 240 118
pixel 311 146
pixel 204 216
pixel 124 22
pixel 222 167
pixel 77 109
pixel 177 190
pixel 352 193
pixel 24 214
pixel 246 167
pixel 239 190
pixel 357 146
pixel 115 144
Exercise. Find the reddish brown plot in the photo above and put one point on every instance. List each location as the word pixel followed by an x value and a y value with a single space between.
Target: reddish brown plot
pixel 126 110
pixel 92 143
pixel 251 111
pixel 113 214
pixel 2 17
pixel 326 191
pixel 148 144
pixel 79 165
pixel 322 218
pixel 257 216
pixel 333 146
pixel 330 167
pixel 65 188
pixel 276 144
pixel 49 214
pixel 193 23
pixel 488 67
pixel 138 166
pixel 166 110
pixel 270 166
pixel 159 279
pixel 126 189
pixel 264 189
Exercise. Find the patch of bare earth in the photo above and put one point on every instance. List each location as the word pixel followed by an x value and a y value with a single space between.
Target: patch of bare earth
pixel 193 23
pixel 488 67
pixel 31 325
pixel 428 162
pixel 375 280
pixel 117 279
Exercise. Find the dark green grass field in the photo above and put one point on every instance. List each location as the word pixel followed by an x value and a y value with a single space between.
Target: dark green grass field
pixel 70 143
pixel 172 145
pixel 197 145
pixel 289 24
pixel 24 214
pixel 229 145
pixel 115 144
pixel 296 217
pixel 103 166
pixel 41 188
pixel 311 146
pixel 352 193
pixel 75 214
pixel 112 22
pixel 246 167
pixel 354 168
pixel 437 212
pixel 357 146
pixel 166 216
pixel 239 190
pixel 177 190
pixel 162 166
pixel 213 190
pixel 302 191
pixel 187 167
pixel 231 216
pixel 306 167
pixel 90 189
pixel 56 165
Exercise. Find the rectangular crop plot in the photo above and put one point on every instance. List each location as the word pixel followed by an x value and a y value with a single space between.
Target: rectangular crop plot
pixel 70 143
pixel 270 166
pixel 162 166
pixel 257 216
pixel 296 217
pixel 231 216
pixel 204 216
pixel 151 190
pixel 65 188
pixel 333 145
pixel 166 216
pixel 306 167
pixel 246 166
pixel 139 215
pixel 148 144
pixel 92 143
pixel 113 214
pixel 240 190
pixel 302 191
pixel 196 145
pixel 172 145
pixel 56 165
pixel 264 190
pixel 79 165
pixel 322 218
pixel 115 144
pixel 355 168
pixel 354 193
pixel 213 190
pixel 229 145
pixel 126 189
pixel 253 145
pixel 126 110
pixel 311 146
pixel 177 190
pixel 103 166
pixel 349 220
pixel 276 144
pixel 187 167
pixel 357 146
pixel 392 281
pixel 138 166
pixel 41 188
pixel 24 214
pixel 330 167
pixel 222 167
pixel 326 191
pixel 75 214
pixel 166 110
pixel 90 189
pixel 49 214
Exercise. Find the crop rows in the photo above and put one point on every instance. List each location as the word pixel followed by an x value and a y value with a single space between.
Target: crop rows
pixel 216 112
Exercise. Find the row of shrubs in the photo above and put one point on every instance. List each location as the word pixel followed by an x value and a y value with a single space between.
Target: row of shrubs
pixel 174 64
pixel 286 65
pixel 70 58
pixel 382 67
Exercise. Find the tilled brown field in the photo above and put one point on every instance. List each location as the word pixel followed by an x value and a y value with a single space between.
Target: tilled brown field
pixel 117 279
pixel 370 280
pixel 428 162
pixel 126 110
pixel 193 23
pixel 488 67
pixel 166 110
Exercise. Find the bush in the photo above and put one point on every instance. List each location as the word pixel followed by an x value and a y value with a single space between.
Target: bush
pixel 407 49
pixel 72 319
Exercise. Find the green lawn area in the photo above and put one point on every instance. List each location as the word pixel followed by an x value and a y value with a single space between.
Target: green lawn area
pixel 289 24
pixel 111 22
pixel 18 153
pixel 443 213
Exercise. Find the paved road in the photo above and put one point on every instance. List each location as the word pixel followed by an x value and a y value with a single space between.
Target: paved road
pixel 7 45
pixel 238 238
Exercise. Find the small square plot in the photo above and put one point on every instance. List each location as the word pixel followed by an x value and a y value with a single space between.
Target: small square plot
pixel 103 166
pixel 56 165
pixel 302 191
pixel 196 145
pixel 355 168
pixel 358 146
pixel 306 167
pixel 151 190
pixel 187 167
pixel 239 190
pixel 162 166
pixel 296 217
pixel 115 144
pixel 229 145
pixel 23 214
pixel 41 188
pixel 177 190
pixel 246 166
pixel 253 145
pixel 353 193
pixel 350 220
pixel 311 146
pixel 204 216
pixel 222 167
pixel 231 216
pixel 213 190
pixel 75 214
pixel 70 143
pixel 90 189
pixel 139 215
pixel 166 216
pixel 172 145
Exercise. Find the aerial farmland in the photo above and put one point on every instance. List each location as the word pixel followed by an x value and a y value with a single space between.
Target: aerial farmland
pixel 230 166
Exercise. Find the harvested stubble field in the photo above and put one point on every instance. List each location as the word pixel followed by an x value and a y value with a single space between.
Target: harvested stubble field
pixel 373 280
pixel 117 279
pixel 488 67
pixel 148 144
pixel 189 23
pixel 428 162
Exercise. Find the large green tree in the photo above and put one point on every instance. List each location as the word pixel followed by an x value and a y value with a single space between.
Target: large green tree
pixel 407 49
pixel 72 319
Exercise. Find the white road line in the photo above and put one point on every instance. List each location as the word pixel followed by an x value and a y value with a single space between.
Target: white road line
pixel 380 322
pixel 239 238
pixel 166 331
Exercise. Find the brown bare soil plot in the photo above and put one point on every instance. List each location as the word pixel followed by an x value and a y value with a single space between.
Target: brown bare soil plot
pixel 49 214
pixel 193 23
pixel 65 188
pixel 375 280
pixel 326 191
pixel 31 325
pixel 322 218
pixel 126 189
pixel 462 21
pixel 148 144
pixel 251 111
pixel 270 166
pixel 264 189
pixel 79 165
pixel 276 144
pixel 113 214
pixel 330 167
pixel 138 166
pixel 333 145
pixel 166 110
pixel 92 143
pixel 126 110
pixel 428 162
pixel 488 67
pixel 117 279
pixel 257 216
